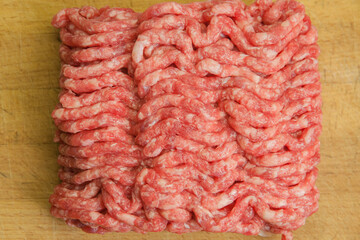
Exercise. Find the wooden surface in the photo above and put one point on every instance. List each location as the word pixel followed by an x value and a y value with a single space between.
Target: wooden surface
pixel 29 69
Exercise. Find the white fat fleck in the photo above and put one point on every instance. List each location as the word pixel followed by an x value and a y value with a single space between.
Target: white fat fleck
pixel 248 131
pixel 268 215
pixel 300 193
pixel 87 42
pixel 308 138
pixel 280 213
pixel 264 233
pixel 271 54
pixel 93 82
pixel 101 38
pixel 110 64
pixel 233 192
pixel 59 112
pixel 302 56
pixel 97 108
pixel 271 144
pixel 93 215
pixel 225 80
pixel 207 212
pixel 285 23
pixel 76 104
pixel 223 202
pixel 152 123
pixel 145 194
pixel 262 36
pixel 146 89
pixel 128 218
pixel 260 170
pixel 189 117
pixel 281 202
pixel 151 215
pixel 256 180
pixel 216 67
pixel 186 226
pixel 87 142
pixel 112 13
pixel 162 182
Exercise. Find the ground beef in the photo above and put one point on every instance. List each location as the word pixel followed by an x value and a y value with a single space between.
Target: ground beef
pixel 98 107
pixel 196 117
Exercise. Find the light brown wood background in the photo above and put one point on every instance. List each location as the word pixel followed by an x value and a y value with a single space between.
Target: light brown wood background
pixel 29 69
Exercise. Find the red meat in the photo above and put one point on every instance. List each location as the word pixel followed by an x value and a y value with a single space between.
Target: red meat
pixel 188 117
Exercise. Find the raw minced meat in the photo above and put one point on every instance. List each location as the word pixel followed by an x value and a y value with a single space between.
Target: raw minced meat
pixel 196 117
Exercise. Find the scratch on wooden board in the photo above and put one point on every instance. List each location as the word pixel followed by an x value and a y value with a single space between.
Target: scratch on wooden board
pixel 7 152
pixel 3 174
pixel 325 77
pixel 357 80
pixel 4 110
pixel 21 58
pixel 131 4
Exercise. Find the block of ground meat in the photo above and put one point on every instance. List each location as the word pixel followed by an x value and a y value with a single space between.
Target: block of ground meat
pixel 188 117
pixel 245 159
pixel 97 111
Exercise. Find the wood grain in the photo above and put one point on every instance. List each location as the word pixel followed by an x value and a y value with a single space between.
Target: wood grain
pixel 29 69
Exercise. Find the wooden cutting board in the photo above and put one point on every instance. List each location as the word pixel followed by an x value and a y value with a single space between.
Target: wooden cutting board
pixel 29 70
